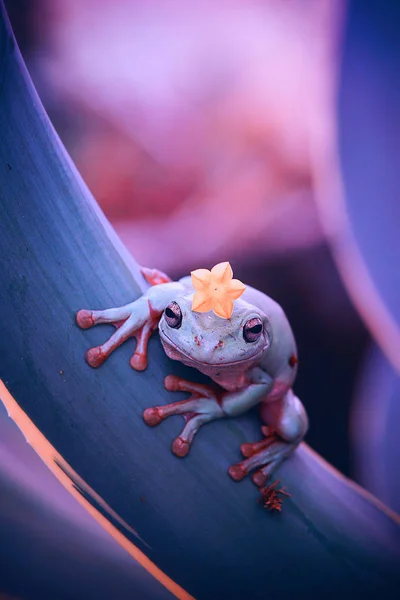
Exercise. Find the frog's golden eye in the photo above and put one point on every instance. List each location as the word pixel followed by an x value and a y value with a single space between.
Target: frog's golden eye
pixel 252 330
pixel 173 315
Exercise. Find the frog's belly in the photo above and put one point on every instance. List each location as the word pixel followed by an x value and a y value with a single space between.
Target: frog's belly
pixel 230 377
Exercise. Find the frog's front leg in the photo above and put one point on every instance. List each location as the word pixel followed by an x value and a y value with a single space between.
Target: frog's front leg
pixel 204 405
pixel 287 425
pixel 138 319
pixel 128 325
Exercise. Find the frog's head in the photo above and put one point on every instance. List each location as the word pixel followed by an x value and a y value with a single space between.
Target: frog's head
pixel 204 339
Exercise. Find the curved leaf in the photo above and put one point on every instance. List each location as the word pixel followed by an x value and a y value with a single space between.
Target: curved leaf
pixel 197 526
pixel 49 546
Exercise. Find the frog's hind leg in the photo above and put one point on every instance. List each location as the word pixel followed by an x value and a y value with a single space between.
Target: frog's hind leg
pixel 154 276
pixel 287 425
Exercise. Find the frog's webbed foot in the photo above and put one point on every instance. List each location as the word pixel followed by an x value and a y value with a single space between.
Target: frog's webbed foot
pixel 138 319
pixel 288 425
pixel 202 407
pixel 268 454
pixel 126 323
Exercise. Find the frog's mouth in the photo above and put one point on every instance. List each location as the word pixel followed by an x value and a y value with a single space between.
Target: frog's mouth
pixel 176 353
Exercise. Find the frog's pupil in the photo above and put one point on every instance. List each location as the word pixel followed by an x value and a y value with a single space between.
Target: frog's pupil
pixel 170 313
pixel 255 329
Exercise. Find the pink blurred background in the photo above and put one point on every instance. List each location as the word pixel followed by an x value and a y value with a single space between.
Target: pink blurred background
pixel 191 122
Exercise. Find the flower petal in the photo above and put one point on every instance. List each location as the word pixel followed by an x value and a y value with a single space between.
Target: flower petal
pixel 201 279
pixel 222 272
pixel 216 290
pixel 223 308
pixel 235 289
pixel 201 302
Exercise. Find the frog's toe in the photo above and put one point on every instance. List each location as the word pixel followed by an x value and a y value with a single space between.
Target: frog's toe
pixel 171 383
pixel 85 319
pixel 138 361
pixel 248 450
pixel 95 357
pixel 237 472
pixel 180 447
pixel 267 431
pixel 261 476
pixel 152 416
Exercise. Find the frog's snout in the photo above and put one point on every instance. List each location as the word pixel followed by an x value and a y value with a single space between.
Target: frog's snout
pixel 208 351
pixel 198 340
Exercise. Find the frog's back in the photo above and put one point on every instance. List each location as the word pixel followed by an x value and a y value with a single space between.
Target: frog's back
pixel 270 307
pixel 281 359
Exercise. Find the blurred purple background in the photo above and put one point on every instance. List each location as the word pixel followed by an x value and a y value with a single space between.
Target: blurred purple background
pixel 192 125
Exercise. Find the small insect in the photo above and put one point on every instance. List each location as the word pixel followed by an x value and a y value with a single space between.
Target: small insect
pixel 270 496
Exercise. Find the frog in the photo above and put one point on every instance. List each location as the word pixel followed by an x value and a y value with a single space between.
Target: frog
pixel 238 337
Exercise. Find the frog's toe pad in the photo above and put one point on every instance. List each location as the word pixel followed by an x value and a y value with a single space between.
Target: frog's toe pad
pixel 171 383
pixel 152 416
pixel 84 319
pixel 138 361
pixel 237 472
pixel 247 450
pixel 180 447
pixel 260 478
pixel 95 357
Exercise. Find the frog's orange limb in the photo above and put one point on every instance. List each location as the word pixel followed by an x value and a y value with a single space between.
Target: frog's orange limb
pixel 202 407
pixel 154 276
pixel 126 328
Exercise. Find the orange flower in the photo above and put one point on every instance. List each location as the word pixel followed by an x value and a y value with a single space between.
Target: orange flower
pixel 216 290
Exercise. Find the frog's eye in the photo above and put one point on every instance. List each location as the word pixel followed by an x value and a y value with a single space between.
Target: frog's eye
pixel 252 329
pixel 173 315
